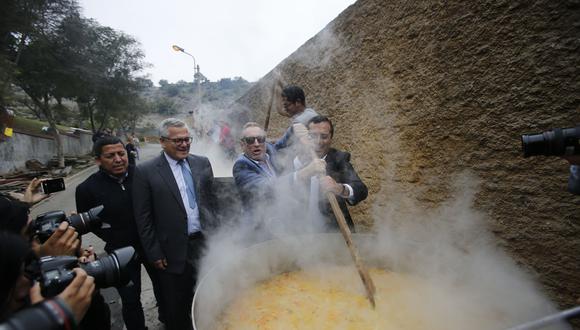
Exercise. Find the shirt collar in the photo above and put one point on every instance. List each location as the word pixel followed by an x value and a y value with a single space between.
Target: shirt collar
pixel 266 159
pixel 172 162
pixel 119 179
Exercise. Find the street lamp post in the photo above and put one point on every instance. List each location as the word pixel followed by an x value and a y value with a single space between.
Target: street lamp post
pixel 195 67
pixel 197 88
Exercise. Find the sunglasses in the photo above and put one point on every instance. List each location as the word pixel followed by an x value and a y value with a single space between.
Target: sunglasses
pixel 186 140
pixel 251 139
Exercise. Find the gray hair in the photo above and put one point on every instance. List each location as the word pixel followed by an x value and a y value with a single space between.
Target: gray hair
pixel 170 122
pixel 251 124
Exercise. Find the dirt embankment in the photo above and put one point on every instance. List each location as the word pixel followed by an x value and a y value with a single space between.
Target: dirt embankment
pixel 422 91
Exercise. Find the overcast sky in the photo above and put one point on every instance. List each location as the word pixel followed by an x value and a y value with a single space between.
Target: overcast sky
pixel 228 38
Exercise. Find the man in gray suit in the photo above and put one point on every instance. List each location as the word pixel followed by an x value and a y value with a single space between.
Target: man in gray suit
pixel 174 208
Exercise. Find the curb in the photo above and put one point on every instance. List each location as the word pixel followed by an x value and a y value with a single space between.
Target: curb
pixel 81 172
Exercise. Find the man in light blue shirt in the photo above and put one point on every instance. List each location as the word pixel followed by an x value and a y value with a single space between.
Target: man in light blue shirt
pixel 174 206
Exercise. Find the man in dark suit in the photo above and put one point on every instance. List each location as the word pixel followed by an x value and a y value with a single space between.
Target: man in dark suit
pixel 341 179
pixel 174 207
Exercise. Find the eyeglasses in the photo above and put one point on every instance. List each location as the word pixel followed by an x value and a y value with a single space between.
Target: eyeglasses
pixel 251 139
pixel 186 140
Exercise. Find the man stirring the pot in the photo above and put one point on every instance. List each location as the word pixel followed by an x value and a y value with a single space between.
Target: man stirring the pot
pixel 341 178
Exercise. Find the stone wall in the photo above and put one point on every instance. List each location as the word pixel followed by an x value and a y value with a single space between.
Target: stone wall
pixel 22 147
pixel 421 92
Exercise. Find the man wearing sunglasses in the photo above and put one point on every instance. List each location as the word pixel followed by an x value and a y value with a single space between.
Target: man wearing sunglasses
pixel 341 179
pixel 174 205
pixel 257 173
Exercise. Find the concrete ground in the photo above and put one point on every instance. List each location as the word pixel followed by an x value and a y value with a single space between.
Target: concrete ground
pixel 65 201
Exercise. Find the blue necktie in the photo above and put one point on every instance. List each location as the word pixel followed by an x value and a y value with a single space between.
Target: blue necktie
pixel 189 183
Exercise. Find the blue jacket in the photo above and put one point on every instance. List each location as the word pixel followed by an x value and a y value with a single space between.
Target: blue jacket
pixel 254 184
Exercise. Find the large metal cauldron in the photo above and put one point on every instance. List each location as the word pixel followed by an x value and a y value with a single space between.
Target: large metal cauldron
pixel 259 262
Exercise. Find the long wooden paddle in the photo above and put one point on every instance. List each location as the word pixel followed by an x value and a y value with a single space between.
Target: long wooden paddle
pixel 360 266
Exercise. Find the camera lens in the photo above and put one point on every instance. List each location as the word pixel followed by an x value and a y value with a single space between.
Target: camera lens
pixel 557 142
pixel 113 269
pixel 535 144
pixel 49 314
pixel 85 222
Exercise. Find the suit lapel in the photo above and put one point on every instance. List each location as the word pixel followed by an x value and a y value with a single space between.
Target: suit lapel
pixel 196 178
pixel 257 167
pixel 330 160
pixel 167 175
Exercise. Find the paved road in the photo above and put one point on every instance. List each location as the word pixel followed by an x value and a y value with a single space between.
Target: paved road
pixel 65 201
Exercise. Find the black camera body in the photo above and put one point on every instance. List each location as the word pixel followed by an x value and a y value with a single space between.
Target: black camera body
pixel 46 224
pixel 56 273
pixel 556 142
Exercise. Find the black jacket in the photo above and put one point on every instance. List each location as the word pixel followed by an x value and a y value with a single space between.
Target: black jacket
pixel 116 197
pixel 338 167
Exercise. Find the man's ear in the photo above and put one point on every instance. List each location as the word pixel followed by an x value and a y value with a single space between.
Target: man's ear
pixel 98 161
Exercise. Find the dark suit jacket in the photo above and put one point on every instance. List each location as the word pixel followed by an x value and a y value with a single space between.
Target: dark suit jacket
pixel 338 167
pixel 160 213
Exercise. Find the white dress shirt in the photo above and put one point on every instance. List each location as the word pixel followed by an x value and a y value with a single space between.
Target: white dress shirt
pixel 193 223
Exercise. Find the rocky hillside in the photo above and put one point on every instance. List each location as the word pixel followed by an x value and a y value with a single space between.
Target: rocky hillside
pixel 422 91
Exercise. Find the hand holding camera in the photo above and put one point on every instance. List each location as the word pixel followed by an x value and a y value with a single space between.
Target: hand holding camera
pixel 79 293
pixel 63 241
pixel 56 273
pixel 64 311
pixel 46 224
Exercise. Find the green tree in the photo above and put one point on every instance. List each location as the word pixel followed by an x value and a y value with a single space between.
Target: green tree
pixel 101 77
pixel 20 22
pixel 79 59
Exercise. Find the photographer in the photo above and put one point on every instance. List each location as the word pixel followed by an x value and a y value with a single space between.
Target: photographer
pixel 17 293
pixel 15 219
pixel 64 241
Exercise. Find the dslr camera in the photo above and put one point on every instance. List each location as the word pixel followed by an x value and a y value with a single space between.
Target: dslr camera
pixel 56 273
pixel 46 224
pixel 556 142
